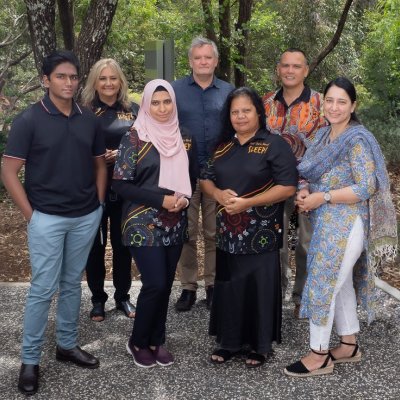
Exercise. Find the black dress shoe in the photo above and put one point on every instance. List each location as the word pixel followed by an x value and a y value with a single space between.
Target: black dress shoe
pixel 186 300
pixel 77 356
pixel 28 381
pixel 209 296
pixel 127 307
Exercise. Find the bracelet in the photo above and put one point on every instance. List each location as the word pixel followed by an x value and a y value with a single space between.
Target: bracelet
pixel 103 205
pixel 187 203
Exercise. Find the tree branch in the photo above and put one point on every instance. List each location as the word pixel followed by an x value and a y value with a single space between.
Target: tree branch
pixel 209 21
pixel 41 18
pixel 66 14
pixel 335 39
pixel 245 10
pixel 93 35
pixel 11 63
pixel 224 17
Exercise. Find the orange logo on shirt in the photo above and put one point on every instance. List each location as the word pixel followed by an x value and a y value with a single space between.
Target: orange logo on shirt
pixel 187 143
pixel 259 148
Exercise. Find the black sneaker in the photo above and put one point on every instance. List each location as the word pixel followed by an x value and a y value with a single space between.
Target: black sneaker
pixel 186 300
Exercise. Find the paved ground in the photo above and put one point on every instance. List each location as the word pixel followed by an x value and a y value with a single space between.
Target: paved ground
pixel 192 376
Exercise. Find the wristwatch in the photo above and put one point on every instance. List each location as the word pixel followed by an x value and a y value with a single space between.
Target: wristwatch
pixel 327 197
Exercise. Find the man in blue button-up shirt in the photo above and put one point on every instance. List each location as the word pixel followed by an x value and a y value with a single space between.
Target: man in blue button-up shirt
pixel 200 98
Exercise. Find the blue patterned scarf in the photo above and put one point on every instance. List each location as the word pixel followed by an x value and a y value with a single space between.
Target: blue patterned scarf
pixel 321 156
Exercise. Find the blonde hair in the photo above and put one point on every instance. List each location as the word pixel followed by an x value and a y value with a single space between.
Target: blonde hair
pixel 89 92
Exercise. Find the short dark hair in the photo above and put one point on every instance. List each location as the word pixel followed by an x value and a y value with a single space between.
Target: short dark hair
pixel 56 58
pixel 227 130
pixel 344 83
pixel 293 50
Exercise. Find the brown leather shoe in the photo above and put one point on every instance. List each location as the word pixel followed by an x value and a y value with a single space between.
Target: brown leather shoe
pixel 77 356
pixel 28 382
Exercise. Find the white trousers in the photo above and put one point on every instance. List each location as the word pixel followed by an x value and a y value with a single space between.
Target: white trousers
pixel 343 310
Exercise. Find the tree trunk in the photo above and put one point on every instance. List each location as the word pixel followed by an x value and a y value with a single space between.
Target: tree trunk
pixel 41 19
pixel 209 21
pixel 224 16
pixel 335 39
pixel 66 14
pixel 93 34
pixel 245 8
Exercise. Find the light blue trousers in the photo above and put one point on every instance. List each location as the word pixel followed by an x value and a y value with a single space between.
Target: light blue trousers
pixel 58 249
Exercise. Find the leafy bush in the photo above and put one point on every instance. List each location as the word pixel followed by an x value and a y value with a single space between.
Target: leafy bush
pixel 387 132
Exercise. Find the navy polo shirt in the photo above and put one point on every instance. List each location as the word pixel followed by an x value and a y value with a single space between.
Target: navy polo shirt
pixel 58 151
pixel 199 111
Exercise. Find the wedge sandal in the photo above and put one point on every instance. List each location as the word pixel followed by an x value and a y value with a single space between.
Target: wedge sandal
pixel 299 370
pixel 355 357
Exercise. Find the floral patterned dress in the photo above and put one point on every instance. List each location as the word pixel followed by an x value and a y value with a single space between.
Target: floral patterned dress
pixel 332 225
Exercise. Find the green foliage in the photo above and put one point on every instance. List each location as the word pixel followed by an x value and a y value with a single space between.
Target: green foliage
pixel 387 132
pixel 381 56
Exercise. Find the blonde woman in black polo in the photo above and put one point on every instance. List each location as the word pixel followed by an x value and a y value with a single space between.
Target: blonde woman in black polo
pixel 106 93
pixel 250 175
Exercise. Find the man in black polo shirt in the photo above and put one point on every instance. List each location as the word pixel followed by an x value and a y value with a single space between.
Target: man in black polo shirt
pixel 65 178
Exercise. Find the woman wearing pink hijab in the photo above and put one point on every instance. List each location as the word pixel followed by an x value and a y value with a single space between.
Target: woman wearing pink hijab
pixel 154 173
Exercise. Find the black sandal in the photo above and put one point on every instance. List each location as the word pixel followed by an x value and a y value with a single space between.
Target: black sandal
pixel 355 356
pixel 299 370
pixel 126 307
pixel 226 355
pixel 255 357
pixel 97 311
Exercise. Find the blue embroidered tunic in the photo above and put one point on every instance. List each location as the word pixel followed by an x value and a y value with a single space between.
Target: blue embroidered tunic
pixel 332 224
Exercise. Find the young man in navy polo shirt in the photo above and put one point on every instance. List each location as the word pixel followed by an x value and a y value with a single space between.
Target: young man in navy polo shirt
pixel 65 177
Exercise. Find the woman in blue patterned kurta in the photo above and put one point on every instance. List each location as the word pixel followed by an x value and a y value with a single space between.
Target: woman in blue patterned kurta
pixel 354 224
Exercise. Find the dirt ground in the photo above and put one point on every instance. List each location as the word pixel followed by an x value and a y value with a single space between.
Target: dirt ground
pixel 14 257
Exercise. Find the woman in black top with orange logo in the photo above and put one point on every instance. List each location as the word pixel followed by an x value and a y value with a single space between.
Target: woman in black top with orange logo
pixel 106 93
pixel 250 175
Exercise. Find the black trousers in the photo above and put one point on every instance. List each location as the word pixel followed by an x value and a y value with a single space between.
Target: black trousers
pixel 122 260
pixel 157 266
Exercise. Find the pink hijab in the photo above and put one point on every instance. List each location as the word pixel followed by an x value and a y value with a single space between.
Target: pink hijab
pixel 166 138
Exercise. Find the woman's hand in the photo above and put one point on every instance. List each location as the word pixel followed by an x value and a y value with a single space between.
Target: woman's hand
pixel 311 202
pixel 169 202
pixel 300 196
pixel 179 205
pixel 110 156
pixel 236 205
pixel 223 196
pixel 174 204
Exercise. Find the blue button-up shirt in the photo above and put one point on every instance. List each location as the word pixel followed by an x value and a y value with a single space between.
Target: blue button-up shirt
pixel 199 111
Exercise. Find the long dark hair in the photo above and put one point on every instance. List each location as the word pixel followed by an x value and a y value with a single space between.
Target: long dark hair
pixel 227 130
pixel 345 84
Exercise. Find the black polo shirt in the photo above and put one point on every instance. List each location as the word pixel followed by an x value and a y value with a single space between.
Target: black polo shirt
pixel 58 152
pixel 251 169
pixel 114 121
